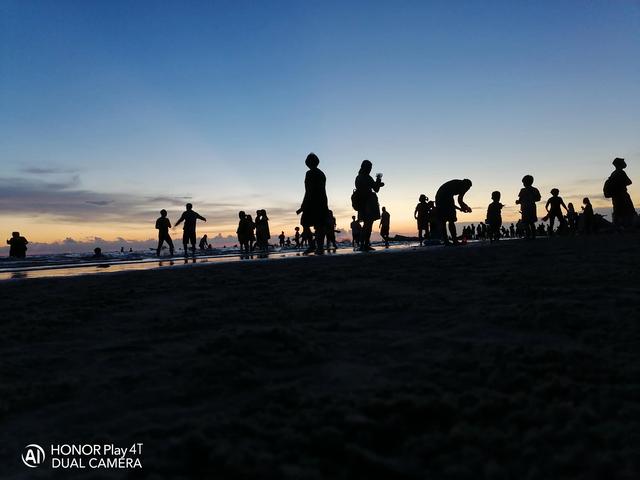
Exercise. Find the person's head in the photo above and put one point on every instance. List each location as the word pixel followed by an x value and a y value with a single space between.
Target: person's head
pixel 555 192
pixel 570 207
pixel 422 198
pixel 97 251
pixel 384 209
pixel 281 233
pixel 365 167
pixel 312 160
pixel 586 201
pixel 527 180
pixel 467 184
pixel 205 236
pixel 495 196
pixel 189 206
pixel 15 234
pixel 353 217
pixel 619 163
pixel 297 229
pixel 163 213
pixel 242 215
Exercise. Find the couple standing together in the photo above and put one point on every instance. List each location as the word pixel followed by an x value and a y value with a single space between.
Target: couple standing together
pixel 315 206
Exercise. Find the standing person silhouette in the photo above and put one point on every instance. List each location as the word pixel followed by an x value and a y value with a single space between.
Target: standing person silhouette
pixel 330 230
pixel 244 232
pixel 446 207
pixel 189 217
pixel 527 199
pixel 572 218
pixel 17 245
pixel 296 237
pixel 251 232
pixel 385 224
pixel 554 210
pixel 494 217
pixel 262 230
pixel 315 206
pixel 365 201
pixel 421 214
pixel 282 238
pixel 162 225
pixel 356 229
pixel 615 188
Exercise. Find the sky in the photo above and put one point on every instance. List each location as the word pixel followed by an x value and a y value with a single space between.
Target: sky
pixel 110 111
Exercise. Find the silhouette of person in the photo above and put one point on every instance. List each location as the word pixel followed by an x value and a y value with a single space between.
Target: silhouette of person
pixel 512 231
pixel 554 210
pixel 366 202
pixel 421 214
pixel 189 217
pixel 204 242
pixel 587 215
pixel 615 188
pixel 97 253
pixel 385 224
pixel 288 242
pixel 282 237
pixel 17 245
pixel 244 232
pixel 296 237
pixel 572 218
pixel 356 228
pixel 527 199
pixel 330 230
pixel 162 225
pixel 494 217
pixel 315 205
pixel 446 207
pixel 251 228
pixel 262 230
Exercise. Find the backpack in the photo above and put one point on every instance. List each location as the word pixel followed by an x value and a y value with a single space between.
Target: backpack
pixel 356 200
pixel 607 189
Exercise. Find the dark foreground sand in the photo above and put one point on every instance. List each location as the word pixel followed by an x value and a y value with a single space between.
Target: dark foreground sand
pixel 520 360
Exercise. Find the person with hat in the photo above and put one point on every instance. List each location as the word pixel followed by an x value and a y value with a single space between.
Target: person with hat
pixel 615 188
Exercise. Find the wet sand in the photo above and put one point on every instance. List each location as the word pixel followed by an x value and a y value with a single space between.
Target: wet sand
pixel 519 360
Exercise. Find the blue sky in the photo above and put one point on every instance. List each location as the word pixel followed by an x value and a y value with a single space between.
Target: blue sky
pixel 113 110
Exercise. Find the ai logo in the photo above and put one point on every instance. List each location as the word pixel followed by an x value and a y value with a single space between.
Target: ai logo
pixel 33 455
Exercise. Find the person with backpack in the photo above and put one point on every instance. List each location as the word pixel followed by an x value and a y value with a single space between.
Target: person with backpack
pixel 615 188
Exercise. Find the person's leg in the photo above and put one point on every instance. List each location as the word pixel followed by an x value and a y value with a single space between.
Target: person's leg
pixel 185 243
pixel 445 233
pixel 320 233
pixel 160 242
pixel 552 220
pixel 170 243
pixel 306 237
pixel 453 232
pixel 192 239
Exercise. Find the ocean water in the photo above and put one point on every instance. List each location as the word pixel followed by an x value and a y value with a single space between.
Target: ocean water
pixel 67 264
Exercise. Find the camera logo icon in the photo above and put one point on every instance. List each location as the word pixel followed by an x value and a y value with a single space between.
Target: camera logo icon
pixel 33 455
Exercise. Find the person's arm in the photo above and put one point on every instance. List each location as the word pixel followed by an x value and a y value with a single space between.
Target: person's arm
pixel 377 184
pixel 201 217
pixel 563 205
pixel 546 207
pixel 463 206
pixel 415 213
pixel 180 220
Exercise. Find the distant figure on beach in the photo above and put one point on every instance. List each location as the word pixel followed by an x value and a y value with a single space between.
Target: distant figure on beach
pixel 189 217
pixel 244 232
pixel 615 188
pixel 262 230
pixel 122 248
pixel 330 230
pixel 162 225
pixel 251 231
pixel 527 199
pixel 587 215
pixel 554 207
pixel 512 231
pixel 288 242
pixel 17 245
pixel 385 224
pixel 296 237
pixel 421 214
pixel 204 242
pixel 97 253
pixel 365 201
pixel 446 207
pixel 494 217
pixel 356 229
pixel 572 218
pixel 314 205
pixel 282 238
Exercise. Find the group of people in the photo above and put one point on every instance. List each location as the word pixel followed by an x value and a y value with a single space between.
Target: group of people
pixel 432 217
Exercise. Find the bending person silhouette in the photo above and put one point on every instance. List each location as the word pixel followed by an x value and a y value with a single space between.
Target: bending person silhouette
pixel 315 206
pixel 554 210
pixel 365 201
pixel 163 225
pixel 446 207
pixel 615 188
pixel 385 224
pixel 189 217
pixel 527 199
pixel 204 242
pixel 17 245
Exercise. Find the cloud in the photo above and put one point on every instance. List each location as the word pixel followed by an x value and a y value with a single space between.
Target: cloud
pixel 99 203
pixel 48 171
